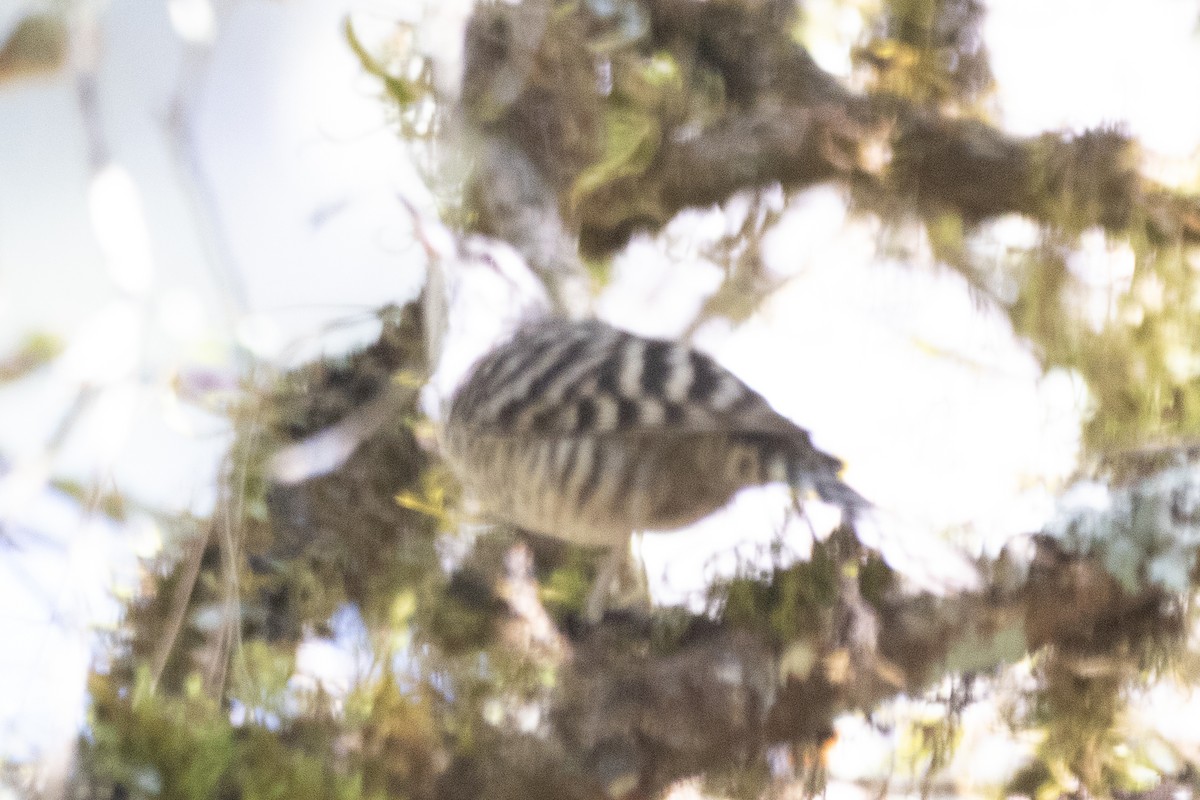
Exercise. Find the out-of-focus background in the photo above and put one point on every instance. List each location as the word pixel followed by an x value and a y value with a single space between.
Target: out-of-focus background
pixel 192 187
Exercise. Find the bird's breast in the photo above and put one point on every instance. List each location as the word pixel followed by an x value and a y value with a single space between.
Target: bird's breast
pixel 595 491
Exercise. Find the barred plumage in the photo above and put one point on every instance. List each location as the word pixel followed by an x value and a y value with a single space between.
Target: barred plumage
pixel 588 433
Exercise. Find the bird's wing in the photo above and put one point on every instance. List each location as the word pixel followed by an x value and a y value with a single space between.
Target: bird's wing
pixel 560 378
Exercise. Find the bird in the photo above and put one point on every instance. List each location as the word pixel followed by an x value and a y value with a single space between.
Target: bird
pixel 581 431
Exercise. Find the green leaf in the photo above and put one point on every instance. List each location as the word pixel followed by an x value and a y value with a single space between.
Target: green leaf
pixel 631 140
pixel 400 90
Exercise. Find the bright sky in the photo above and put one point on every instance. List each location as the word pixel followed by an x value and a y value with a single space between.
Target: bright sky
pixel 944 419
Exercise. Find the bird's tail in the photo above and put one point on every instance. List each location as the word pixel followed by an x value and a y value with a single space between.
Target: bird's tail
pixel 812 470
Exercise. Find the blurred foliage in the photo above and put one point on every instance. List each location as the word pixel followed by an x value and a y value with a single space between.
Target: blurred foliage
pixel 221 628
pixel 111 504
pixel 630 141
pixel 930 51
pixel 420 115
pixel 748 282
pixel 795 602
pixel 35 47
pixel 1146 533
pixel 146 744
pixel 1117 310
pixel 401 91
pixel 474 676
pixel 203 699
pixel 35 351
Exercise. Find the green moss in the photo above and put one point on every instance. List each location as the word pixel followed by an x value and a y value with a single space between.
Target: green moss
pixel 790 603
pixel 401 91
pixel 186 748
pixel 177 748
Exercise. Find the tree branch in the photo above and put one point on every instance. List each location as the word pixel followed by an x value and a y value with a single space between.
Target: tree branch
pixel 785 120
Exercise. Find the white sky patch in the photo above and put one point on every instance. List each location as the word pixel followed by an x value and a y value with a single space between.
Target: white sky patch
pixel 657 292
pixel 181 314
pixel 260 334
pixel 443 39
pixel 1105 270
pixel 107 423
pixel 120 227
pixel 490 292
pixel 1165 717
pixel 945 420
pixel 108 347
pixel 680 565
pixel 336 666
pixel 58 566
pixel 194 20
pixel 870 754
pixel 1074 64
pixel 829 26
pixel 322 664
pixel 938 411
pixel 811 234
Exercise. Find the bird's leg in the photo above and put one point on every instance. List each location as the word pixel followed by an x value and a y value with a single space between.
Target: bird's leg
pixel 614 568
pixel 631 588
pixel 620 581
pixel 641 581
pixel 597 599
